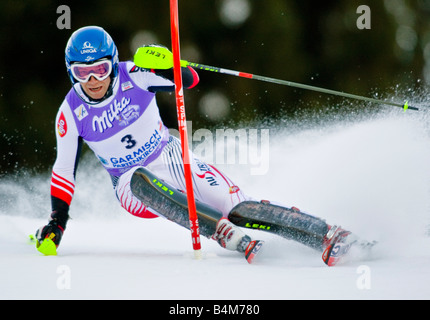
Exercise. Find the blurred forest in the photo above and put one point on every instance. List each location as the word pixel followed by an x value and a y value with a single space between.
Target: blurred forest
pixel 310 42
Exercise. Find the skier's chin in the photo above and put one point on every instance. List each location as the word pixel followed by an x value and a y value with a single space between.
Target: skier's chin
pixel 96 93
pixel 96 89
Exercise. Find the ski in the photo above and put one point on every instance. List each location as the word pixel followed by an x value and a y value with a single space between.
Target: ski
pixel 171 202
pixel 289 223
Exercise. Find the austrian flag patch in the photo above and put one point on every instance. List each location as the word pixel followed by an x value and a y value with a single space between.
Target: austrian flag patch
pixel 62 125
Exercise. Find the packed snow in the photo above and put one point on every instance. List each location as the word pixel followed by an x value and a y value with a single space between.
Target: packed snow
pixel 371 176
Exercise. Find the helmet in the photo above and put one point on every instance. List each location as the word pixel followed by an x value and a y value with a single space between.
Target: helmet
pixel 88 45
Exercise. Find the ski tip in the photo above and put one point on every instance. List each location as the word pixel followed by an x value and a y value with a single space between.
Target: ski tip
pixel 252 250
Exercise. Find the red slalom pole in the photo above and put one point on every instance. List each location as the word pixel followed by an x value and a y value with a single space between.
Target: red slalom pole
pixel 182 123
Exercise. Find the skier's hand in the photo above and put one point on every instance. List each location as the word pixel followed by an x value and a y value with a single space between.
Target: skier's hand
pixel 52 231
pixel 154 57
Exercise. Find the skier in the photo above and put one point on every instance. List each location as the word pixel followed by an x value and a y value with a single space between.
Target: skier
pixel 112 108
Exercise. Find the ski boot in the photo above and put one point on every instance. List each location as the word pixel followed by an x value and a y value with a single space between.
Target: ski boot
pixel 230 237
pixel 337 243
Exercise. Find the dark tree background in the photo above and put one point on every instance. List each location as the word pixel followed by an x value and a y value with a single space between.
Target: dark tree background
pixel 312 42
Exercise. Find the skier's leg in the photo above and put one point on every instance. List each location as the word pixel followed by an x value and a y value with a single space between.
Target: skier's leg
pixel 215 190
pixel 158 190
pixel 166 200
pixel 129 201
pixel 210 185
pixel 286 222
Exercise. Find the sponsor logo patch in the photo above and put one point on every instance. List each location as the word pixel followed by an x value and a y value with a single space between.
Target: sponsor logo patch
pixel 121 111
pixel 126 86
pixel 207 173
pixel 62 125
pixel 88 48
pixel 81 112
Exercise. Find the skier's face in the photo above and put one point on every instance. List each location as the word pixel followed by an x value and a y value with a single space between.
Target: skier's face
pixel 96 89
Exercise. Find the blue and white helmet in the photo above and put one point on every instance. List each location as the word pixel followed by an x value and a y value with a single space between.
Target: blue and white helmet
pixel 88 45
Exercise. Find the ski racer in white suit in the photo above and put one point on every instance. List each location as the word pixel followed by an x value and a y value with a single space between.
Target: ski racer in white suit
pixel 112 108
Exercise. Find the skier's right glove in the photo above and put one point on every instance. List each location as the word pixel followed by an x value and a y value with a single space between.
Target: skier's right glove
pixel 52 231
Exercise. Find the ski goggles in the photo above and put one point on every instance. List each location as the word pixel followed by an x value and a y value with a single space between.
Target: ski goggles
pixel 83 72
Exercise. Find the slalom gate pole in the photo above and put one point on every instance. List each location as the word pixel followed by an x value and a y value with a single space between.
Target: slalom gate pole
pixel 182 123
pixel 405 105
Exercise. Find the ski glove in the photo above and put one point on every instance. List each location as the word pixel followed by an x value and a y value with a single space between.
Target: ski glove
pixel 154 57
pixel 52 231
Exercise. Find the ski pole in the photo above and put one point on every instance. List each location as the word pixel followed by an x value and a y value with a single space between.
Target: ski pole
pixel 405 105
pixel 182 123
pixel 160 58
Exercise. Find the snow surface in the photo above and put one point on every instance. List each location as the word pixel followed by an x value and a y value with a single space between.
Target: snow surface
pixel 371 176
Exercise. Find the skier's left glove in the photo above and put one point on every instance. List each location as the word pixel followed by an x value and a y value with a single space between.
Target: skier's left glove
pixel 153 57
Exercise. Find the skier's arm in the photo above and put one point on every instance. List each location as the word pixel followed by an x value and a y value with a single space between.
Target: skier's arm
pixel 63 174
pixel 190 79
pixel 150 67
pixel 161 79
